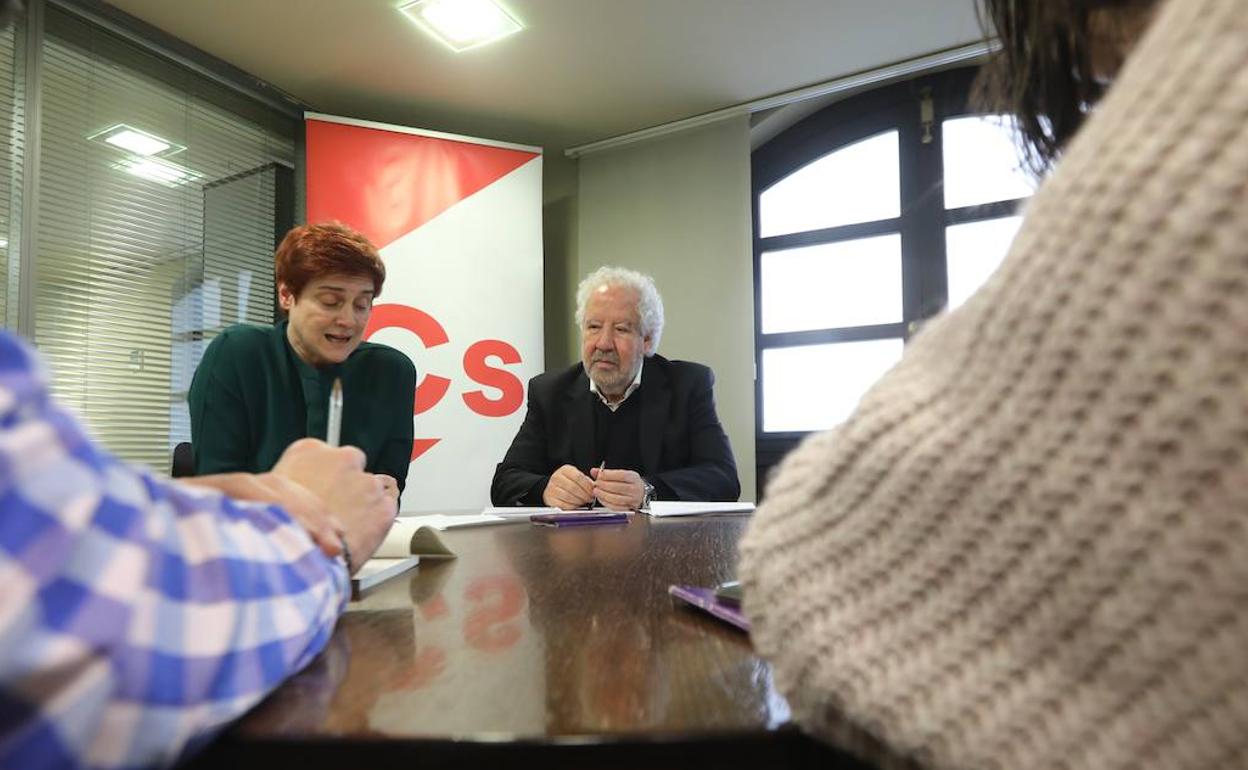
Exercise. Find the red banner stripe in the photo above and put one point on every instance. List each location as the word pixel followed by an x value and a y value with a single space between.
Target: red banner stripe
pixel 386 183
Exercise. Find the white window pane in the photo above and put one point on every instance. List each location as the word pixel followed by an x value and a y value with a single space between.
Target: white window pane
pixel 848 283
pixel 813 387
pixel 982 163
pixel 857 183
pixel 974 251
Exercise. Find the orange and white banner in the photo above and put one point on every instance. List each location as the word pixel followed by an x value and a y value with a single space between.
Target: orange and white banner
pixel 459 225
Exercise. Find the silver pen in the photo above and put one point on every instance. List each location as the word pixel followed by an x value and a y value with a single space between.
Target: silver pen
pixel 587 506
pixel 333 432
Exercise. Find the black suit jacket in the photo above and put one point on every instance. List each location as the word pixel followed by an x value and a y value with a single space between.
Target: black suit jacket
pixel 685 452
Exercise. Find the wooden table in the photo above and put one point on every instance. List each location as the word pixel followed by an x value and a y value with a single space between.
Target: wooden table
pixel 559 647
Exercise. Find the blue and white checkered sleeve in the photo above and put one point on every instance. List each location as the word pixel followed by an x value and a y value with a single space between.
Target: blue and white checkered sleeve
pixel 137 616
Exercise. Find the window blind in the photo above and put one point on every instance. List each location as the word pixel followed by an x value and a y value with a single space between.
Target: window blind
pixel 151 243
pixel 12 117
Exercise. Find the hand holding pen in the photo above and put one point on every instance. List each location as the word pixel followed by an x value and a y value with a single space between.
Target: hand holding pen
pixel 593 474
pixel 333 427
pixel 568 489
pixel 619 490
pixel 333 436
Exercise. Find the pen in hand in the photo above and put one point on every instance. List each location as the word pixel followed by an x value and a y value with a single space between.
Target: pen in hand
pixel 333 430
pixel 601 466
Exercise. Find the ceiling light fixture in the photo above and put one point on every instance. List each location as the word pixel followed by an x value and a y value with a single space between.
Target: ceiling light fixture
pixel 162 171
pixel 462 24
pixel 133 140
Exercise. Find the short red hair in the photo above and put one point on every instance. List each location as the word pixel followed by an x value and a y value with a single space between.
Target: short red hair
pixel 311 251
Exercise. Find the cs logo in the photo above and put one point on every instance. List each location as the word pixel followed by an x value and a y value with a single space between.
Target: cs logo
pixel 432 387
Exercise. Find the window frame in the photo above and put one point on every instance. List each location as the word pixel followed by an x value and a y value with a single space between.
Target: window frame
pixel 922 221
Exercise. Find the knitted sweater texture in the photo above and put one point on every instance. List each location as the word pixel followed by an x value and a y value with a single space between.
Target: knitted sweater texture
pixel 1028 548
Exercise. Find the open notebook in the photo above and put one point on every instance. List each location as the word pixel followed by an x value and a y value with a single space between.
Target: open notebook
pixel 409 540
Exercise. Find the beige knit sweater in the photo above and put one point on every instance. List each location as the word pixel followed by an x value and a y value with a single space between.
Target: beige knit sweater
pixel 1029 546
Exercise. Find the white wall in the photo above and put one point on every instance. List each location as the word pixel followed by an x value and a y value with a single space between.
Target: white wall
pixel 678 208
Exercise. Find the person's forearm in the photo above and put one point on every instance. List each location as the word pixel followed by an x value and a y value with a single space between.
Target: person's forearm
pixel 271 488
pixel 137 600
pixel 253 562
pixel 240 486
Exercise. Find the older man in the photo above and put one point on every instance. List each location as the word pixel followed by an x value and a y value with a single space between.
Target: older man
pixel 624 426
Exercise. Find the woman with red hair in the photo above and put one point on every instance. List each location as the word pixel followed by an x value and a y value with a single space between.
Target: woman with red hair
pixel 259 388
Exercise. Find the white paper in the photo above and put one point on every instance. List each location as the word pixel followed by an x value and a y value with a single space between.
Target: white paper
pixel 398 541
pixel 515 512
pixel 443 522
pixel 661 508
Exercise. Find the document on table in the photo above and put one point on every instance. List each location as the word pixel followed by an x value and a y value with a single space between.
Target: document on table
pixel 664 508
pixel 401 549
pixel 516 512
pixel 410 536
pixel 487 517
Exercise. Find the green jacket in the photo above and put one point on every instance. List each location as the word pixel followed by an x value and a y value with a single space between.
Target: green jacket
pixel 251 397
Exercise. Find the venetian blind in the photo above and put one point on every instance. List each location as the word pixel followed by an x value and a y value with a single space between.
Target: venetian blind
pixel 12 116
pixel 144 254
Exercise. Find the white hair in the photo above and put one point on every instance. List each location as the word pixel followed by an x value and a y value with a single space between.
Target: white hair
pixel 649 303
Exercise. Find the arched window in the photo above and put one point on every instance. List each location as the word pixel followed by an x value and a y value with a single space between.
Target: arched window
pixel 870 217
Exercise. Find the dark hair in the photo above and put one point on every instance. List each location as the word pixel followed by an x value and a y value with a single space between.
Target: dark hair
pixel 309 251
pixel 1043 74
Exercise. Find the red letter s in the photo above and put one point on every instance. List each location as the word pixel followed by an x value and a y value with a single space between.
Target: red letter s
pixel 476 368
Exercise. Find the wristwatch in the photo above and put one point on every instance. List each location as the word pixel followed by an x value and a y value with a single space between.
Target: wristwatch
pixel 648 495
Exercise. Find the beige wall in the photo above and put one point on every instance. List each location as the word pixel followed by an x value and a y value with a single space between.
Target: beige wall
pixel 559 215
pixel 678 208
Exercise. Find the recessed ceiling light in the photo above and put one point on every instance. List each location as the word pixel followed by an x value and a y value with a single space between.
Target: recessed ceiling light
pixel 462 24
pixel 133 140
pixel 162 171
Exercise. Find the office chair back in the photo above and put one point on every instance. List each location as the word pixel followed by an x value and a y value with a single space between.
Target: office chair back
pixel 183 461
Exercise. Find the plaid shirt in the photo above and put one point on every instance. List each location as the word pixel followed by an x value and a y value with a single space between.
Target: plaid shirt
pixel 137 616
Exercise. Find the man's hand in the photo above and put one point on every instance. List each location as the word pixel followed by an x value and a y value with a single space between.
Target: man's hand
pixel 619 490
pixel 568 489
pixel 358 501
pixel 303 506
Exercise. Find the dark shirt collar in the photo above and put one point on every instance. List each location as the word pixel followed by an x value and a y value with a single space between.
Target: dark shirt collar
pixel 307 371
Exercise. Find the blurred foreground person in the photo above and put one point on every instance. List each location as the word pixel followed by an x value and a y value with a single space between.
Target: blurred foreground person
pixel 1028 548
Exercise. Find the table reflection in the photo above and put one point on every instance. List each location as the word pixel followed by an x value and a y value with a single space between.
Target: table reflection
pixel 535 632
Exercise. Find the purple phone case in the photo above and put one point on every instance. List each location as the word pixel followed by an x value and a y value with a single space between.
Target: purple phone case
pixel 704 599
pixel 575 519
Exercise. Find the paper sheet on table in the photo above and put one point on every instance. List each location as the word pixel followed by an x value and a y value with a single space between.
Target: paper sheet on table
pixel 662 508
pixel 515 512
pixel 443 521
